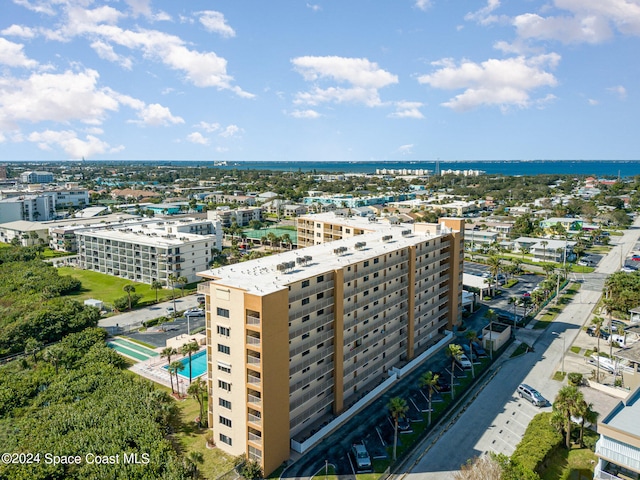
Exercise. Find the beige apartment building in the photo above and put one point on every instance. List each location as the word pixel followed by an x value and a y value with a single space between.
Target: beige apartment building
pixel 328 227
pixel 297 336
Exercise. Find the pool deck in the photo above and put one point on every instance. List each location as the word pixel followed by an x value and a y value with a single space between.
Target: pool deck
pixel 153 369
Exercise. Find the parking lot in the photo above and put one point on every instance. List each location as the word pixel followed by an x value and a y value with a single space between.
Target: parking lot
pixel 158 336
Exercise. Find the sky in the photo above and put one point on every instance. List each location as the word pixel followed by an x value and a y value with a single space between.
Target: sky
pixel 319 80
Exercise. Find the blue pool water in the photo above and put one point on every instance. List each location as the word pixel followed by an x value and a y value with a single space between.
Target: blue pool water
pixel 198 365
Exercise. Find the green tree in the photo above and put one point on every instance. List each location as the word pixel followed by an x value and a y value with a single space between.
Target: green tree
pixel 198 390
pixel 597 328
pixel 398 409
pixel 32 347
pixel 183 283
pixel 429 380
pixel 566 405
pixel 167 353
pixel 156 285
pixel 175 368
pixel 173 278
pixel 491 316
pixel 53 355
pixel 129 289
pixel 495 266
pixel 544 244
pixel 587 414
pixel 455 353
pixel 189 349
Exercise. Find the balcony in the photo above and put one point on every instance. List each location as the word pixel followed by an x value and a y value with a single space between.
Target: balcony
pixel 256 420
pixel 203 287
pixel 255 438
pixel 251 320
pixel 254 400
pixel 253 341
pixel 254 381
pixel 253 361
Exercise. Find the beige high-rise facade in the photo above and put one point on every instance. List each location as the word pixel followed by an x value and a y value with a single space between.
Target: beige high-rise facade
pixel 299 335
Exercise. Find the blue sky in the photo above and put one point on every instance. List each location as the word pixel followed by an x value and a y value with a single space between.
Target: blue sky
pixel 356 80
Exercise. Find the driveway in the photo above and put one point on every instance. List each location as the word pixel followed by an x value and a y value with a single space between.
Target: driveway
pixel 136 317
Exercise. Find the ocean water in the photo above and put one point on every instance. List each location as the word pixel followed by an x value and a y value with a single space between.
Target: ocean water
pixel 596 168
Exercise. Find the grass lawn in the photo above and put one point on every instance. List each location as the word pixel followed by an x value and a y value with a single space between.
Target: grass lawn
pixel 107 288
pixel 575 464
pixel 576 350
pixel 189 438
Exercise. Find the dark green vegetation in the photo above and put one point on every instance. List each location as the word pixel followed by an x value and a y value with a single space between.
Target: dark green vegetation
pixel 623 292
pixel 75 399
pixel 31 303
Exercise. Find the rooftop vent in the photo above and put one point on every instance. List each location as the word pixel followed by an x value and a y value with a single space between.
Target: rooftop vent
pixel 386 238
pixel 360 245
pixel 405 233
pixel 339 250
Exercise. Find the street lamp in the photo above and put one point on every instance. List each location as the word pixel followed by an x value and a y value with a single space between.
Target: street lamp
pixel 563 349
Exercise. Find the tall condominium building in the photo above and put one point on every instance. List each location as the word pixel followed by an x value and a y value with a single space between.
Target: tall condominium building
pixel 151 250
pixel 297 336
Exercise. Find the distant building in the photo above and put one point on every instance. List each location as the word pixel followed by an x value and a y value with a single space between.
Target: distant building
pixel 36 177
pixel 618 449
pixel 327 227
pixel 32 208
pixel 151 250
pixel 241 216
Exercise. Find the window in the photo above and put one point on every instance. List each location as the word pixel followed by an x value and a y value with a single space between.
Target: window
pixel 365 278
pixel 224 349
pixel 223 330
pixel 366 263
pixel 376 260
pixel 320 279
pixel 224 403
pixel 222 312
pixel 305 353
pixel 320 312
pixel 320 295
pixel 305 301
pixel 225 439
pixel 305 318
pixel 305 283
pixel 224 367
pixel 224 385
pixel 224 421
pixel 305 336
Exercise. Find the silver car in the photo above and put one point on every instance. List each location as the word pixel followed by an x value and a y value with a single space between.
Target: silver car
pixel 531 394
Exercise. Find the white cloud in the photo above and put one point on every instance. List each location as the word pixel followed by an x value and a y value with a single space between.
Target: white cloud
pixel 407 110
pixel 106 52
pixel 231 131
pixel 485 15
pixel 406 149
pixel 55 97
pixel 493 82
pixel 69 142
pixel 423 4
pixel 592 102
pixel 364 79
pixel 11 54
pixel 37 6
pixel 582 21
pixel 618 90
pixel 315 8
pixel 18 31
pixel 215 22
pixel 305 114
pixel 197 137
pixel 208 127
pixel 156 115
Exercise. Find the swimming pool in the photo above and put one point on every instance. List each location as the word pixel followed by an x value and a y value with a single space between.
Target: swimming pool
pixel 198 365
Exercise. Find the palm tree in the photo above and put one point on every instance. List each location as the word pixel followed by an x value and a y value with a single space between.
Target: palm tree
pixel 608 304
pixel 430 381
pixel 455 352
pixel 525 251
pixel 398 409
pixel 198 390
pixel 168 352
pixel 491 316
pixel 53 355
pixel 189 349
pixel 587 414
pixel 156 285
pixel 172 280
pixel 286 240
pixel 597 324
pixel 566 405
pixel 191 461
pixel 174 369
pixel 129 289
pixel 544 244
pixel 31 347
pixel 183 283
pixel 494 263
pixel 472 336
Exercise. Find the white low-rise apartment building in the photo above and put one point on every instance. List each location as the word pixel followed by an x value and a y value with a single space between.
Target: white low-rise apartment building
pixel 151 250
pixel 294 337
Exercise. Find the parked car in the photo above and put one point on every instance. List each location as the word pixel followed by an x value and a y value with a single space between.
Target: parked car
pixel 532 395
pixel 361 457
pixel 200 299
pixel 591 331
pixel 194 312
pixel 170 312
pixel 464 362
pixel 477 347
pixel 468 352
pixel 403 424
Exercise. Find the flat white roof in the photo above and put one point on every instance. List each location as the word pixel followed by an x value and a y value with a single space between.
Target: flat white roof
pixel 262 277
pixel 355 221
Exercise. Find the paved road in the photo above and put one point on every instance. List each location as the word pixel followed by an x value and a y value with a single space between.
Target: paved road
pixel 148 313
pixel 496 419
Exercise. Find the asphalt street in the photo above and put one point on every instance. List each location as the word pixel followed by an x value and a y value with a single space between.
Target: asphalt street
pixel 496 418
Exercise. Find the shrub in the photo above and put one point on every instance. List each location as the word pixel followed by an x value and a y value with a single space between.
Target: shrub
pixel 575 379
pixel 540 440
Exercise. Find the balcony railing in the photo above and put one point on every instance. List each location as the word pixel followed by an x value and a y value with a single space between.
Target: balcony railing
pixel 253 399
pixel 255 341
pixel 255 438
pixel 255 420
pixel 253 320
pixel 254 380
pixel 202 287
pixel 253 360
